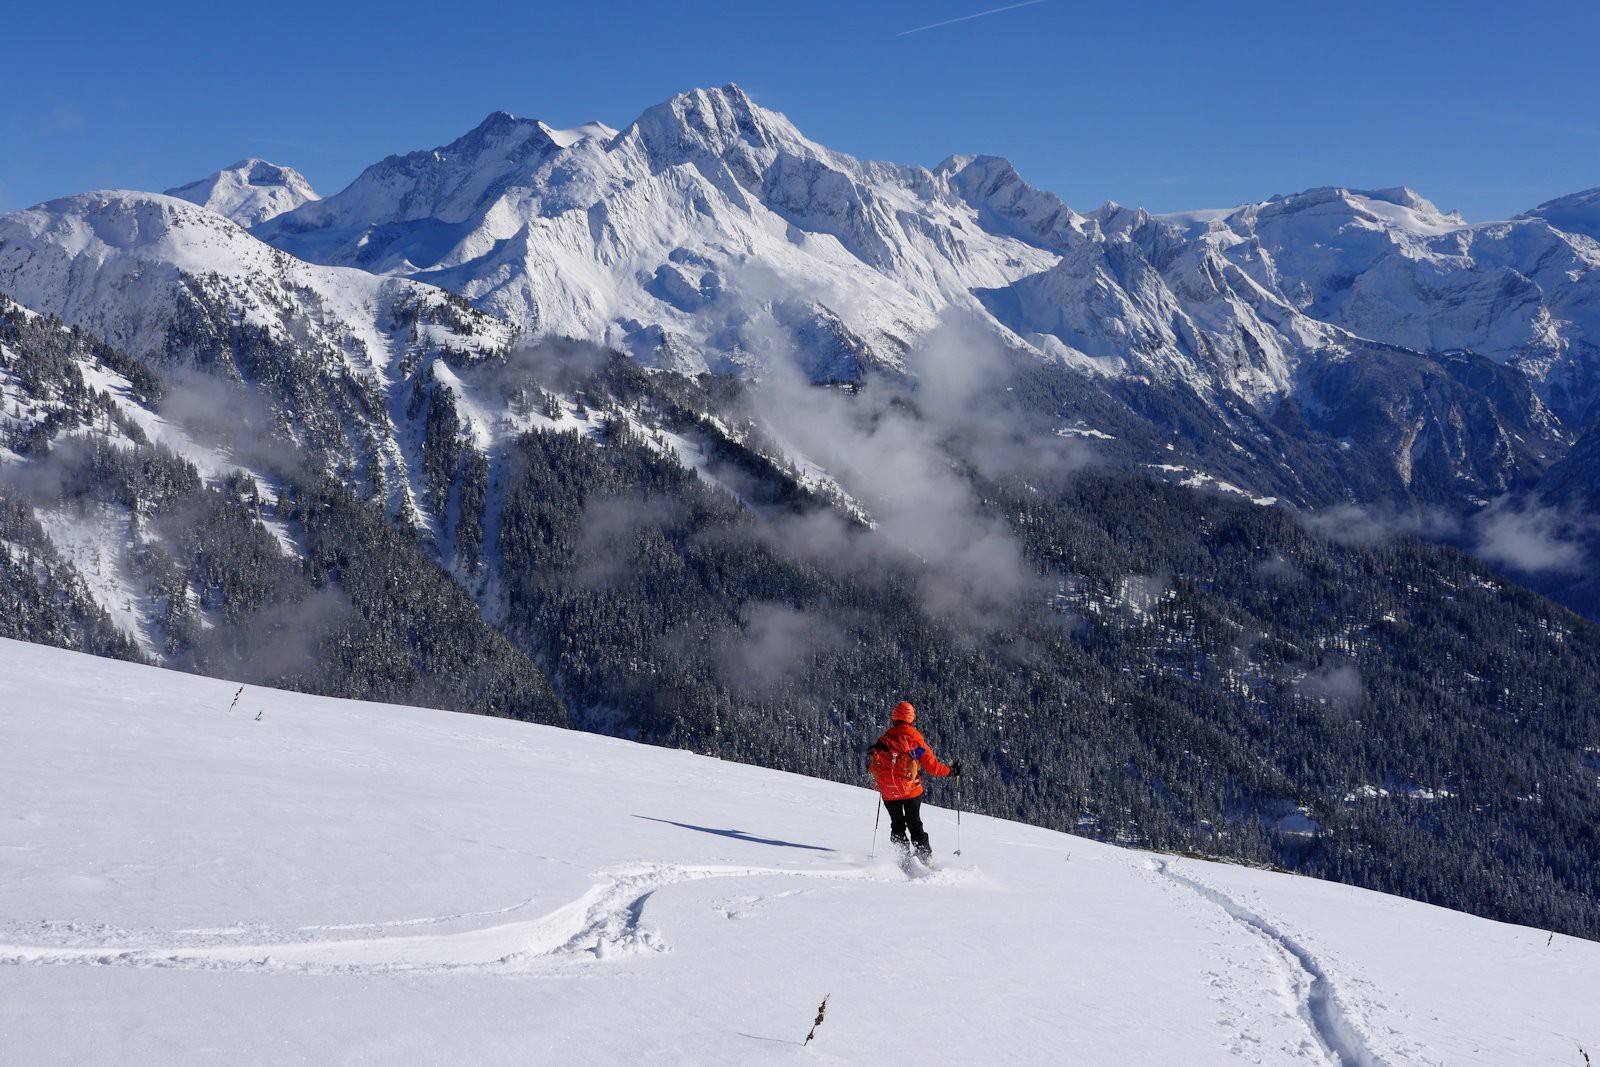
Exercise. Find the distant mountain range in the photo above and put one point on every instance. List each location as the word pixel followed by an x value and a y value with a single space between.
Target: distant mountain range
pixel 1457 361
pixel 699 432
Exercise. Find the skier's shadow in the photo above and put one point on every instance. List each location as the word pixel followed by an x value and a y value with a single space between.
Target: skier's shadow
pixel 737 835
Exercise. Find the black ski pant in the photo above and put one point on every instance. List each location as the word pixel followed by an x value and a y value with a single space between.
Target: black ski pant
pixel 905 821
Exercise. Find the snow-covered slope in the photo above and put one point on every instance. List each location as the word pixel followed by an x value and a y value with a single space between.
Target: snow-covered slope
pixel 114 262
pixel 300 878
pixel 249 192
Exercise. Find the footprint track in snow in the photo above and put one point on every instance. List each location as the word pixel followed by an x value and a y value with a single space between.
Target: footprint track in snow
pixel 1319 1006
pixel 606 922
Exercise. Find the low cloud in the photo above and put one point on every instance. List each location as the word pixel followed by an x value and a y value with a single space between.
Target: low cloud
pixel 1365 526
pixel 905 449
pixel 1337 684
pixel 224 414
pixel 611 532
pixel 284 641
pixel 774 643
pixel 1533 539
pixel 1142 593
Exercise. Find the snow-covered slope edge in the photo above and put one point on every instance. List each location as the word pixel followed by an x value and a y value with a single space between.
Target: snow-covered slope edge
pixel 303 877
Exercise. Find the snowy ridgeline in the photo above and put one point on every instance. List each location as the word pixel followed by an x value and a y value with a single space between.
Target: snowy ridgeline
pixel 303 879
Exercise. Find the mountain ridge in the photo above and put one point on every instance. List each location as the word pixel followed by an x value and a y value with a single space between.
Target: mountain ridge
pixel 744 150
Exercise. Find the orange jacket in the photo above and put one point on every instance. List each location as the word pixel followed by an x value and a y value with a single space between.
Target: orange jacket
pixel 898 759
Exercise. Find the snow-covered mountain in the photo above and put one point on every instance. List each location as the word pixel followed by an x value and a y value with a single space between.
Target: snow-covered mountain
pixel 291 876
pixel 1389 266
pixel 708 233
pixel 1577 213
pixel 330 353
pixel 1409 358
pixel 249 192
pixel 146 515
pixel 704 231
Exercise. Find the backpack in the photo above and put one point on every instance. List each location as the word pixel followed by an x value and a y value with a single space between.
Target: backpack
pixel 890 768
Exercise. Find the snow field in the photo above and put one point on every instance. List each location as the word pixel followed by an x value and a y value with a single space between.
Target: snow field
pixel 340 882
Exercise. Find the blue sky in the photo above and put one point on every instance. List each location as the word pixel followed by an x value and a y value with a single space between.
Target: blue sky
pixel 1489 108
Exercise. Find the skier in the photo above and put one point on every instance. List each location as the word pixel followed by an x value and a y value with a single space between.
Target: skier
pixel 897 760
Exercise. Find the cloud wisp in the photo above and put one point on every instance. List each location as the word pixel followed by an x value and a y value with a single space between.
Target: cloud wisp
pixel 904 449
pixel 1533 539
pixel 969 18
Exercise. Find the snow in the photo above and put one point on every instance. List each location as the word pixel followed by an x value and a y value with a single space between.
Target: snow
pixel 1201 480
pixel 702 224
pixel 710 234
pixel 249 192
pixel 1407 211
pixel 320 880
pixel 568 138
pixel 1578 213
pixel 698 235
pixel 1084 431
pixel 211 463
pixel 94 540
pixel 1194 223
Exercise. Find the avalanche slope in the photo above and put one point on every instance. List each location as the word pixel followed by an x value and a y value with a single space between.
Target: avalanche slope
pixel 300 879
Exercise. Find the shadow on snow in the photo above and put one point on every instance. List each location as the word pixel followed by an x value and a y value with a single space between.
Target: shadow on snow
pixel 737 835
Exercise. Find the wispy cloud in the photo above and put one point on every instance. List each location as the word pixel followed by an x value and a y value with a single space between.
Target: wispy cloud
pixel 969 18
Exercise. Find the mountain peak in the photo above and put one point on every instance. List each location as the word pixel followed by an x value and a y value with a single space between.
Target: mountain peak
pixel 1578 213
pixel 500 133
pixel 250 191
pixel 1007 201
pixel 1398 208
pixel 714 121
pixel 1400 196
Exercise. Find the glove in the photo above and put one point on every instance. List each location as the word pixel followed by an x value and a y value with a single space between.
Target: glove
pixel 955 769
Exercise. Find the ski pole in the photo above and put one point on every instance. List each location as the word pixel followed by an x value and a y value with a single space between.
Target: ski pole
pixel 958 815
pixel 875 820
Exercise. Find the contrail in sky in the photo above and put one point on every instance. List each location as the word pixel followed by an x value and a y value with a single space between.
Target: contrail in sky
pixel 966 18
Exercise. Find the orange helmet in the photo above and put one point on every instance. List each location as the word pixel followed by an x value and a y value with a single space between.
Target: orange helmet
pixel 904 712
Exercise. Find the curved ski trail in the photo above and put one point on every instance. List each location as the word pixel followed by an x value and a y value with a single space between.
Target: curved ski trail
pixel 606 921
pixel 1319 1006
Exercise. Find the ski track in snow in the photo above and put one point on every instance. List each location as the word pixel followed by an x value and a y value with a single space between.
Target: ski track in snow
pixel 1319 1006
pixel 430 920
pixel 606 922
